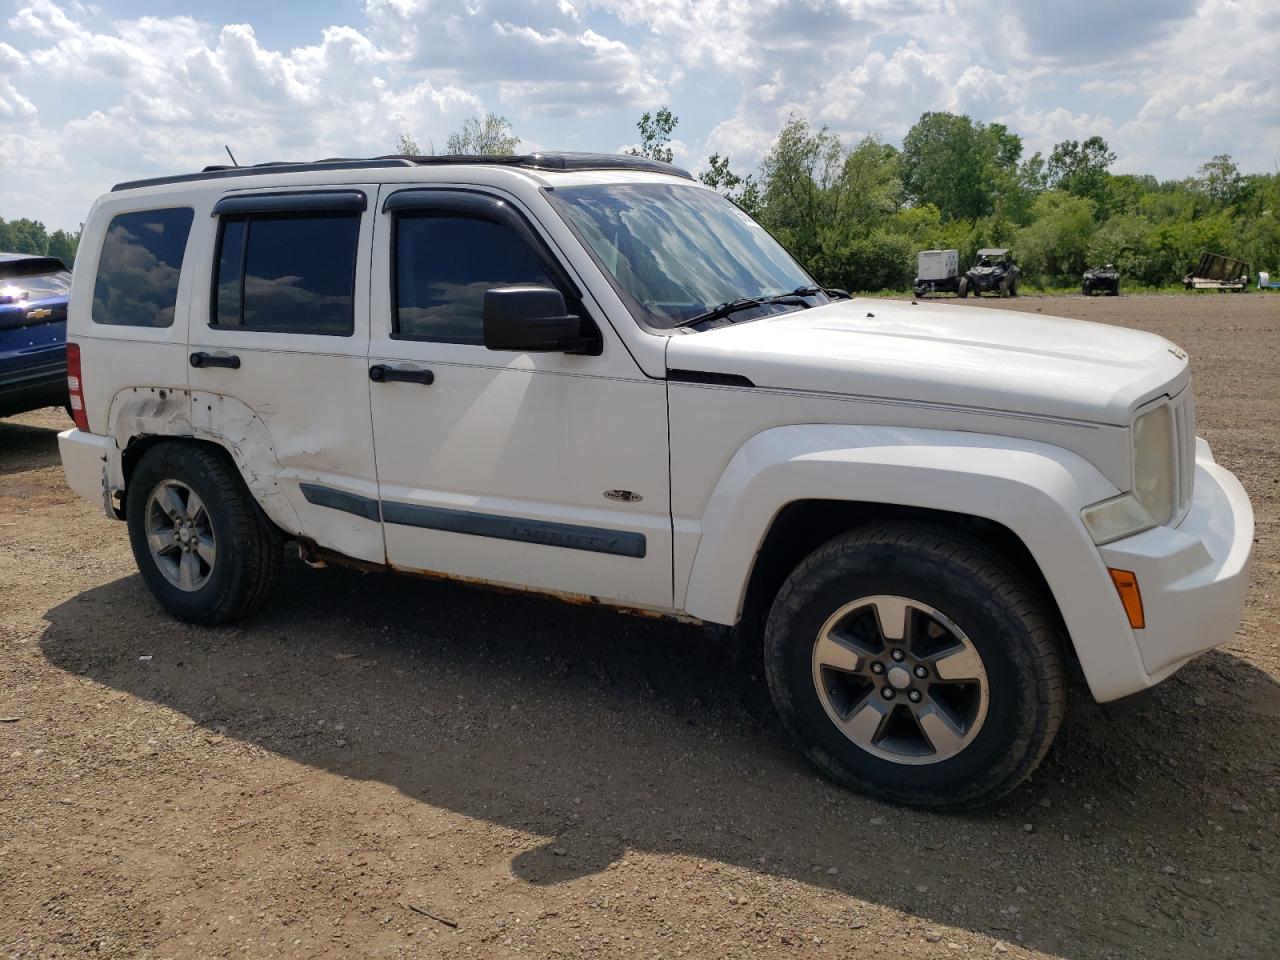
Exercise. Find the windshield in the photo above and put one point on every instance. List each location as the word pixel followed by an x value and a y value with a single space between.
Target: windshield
pixel 674 251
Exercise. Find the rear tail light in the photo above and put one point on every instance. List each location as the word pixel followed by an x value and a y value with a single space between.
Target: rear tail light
pixel 75 388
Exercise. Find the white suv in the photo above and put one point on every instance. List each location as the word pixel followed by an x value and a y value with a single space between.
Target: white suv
pixel 588 375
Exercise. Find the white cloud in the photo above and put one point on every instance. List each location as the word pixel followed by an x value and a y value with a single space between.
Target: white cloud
pixel 1162 81
pixel 86 100
pixel 173 91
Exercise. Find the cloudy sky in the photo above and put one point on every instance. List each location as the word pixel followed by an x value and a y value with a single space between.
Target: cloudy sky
pixel 92 93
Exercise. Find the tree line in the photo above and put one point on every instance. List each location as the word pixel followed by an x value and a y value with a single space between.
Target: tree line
pixel 855 215
pixel 30 236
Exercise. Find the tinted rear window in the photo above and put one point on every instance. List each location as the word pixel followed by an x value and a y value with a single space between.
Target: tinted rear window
pixel 287 274
pixel 137 282
pixel 35 286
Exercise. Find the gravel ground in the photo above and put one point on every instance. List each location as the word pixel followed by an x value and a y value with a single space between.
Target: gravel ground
pixel 387 767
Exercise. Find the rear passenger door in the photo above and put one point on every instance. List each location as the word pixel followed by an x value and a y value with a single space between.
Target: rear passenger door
pixel 542 470
pixel 277 354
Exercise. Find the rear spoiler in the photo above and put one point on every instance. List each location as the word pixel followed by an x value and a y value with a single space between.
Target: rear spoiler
pixel 30 267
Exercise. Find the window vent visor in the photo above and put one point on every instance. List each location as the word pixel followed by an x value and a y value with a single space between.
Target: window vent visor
pixel 314 201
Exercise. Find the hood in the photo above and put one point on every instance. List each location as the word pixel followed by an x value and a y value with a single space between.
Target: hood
pixel 971 357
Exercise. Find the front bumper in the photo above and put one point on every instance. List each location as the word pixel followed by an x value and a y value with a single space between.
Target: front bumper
pixel 1193 577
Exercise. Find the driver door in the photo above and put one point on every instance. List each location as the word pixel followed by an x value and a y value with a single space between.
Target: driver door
pixel 537 470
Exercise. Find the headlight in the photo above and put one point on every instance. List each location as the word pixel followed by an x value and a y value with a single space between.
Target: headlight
pixel 1114 519
pixel 1153 462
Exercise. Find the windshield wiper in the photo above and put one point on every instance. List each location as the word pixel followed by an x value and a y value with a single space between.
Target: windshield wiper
pixel 744 303
pixel 835 293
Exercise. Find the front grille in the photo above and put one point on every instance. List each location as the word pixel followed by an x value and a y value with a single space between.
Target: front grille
pixel 1184 426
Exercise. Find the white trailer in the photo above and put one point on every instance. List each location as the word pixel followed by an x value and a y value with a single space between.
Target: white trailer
pixel 937 271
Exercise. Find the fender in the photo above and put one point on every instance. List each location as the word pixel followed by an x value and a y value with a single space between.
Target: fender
pixel 152 411
pixel 1034 489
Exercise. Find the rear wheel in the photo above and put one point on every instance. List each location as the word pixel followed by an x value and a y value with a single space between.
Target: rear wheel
pixel 1004 287
pixel 910 664
pixel 1085 289
pixel 200 541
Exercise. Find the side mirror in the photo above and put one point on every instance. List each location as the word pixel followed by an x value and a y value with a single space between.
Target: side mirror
pixel 531 318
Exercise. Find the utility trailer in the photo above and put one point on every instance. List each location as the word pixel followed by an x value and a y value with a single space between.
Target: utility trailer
pixel 1216 272
pixel 937 271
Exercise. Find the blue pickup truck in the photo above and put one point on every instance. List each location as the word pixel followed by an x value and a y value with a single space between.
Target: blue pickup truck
pixel 33 332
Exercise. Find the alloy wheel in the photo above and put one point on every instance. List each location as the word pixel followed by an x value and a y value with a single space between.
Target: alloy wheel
pixel 180 535
pixel 900 679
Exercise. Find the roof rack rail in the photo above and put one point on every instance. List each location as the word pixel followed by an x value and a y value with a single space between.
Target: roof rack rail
pixel 527 161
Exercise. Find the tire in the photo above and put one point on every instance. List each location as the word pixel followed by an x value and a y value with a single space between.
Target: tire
pixel 1013 287
pixel 1114 291
pixel 226 564
pixel 1004 288
pixel 1085 289
pixel 994 615
pixel 963 289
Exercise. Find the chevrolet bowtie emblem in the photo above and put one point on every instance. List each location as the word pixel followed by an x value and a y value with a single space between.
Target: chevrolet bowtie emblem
pixel 39 314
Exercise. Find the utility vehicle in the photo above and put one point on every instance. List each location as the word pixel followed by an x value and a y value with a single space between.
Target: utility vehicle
pixel 1104 279
pixel 993 271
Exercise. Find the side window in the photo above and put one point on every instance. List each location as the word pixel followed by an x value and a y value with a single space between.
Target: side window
pixel 287 274
pixel 137 281
pixel 444 264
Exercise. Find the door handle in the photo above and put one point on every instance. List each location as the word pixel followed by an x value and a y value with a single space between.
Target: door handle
pixel 381 373
pixel 228 360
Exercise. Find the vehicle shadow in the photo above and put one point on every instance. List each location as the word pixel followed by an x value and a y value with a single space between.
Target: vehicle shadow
pixel 605 732
pixel 26 447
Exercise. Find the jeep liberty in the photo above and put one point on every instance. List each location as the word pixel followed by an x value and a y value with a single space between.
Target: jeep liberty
pixel 591 375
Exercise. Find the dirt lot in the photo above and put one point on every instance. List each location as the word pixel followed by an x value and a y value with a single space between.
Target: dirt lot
pixel 555 781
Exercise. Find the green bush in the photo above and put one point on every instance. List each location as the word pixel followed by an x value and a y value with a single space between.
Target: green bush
pixel 1055 246
pixel 856 218
pixel 879 261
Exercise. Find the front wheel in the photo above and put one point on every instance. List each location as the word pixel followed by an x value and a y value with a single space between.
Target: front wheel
pixel 201 543
pixel 963 290
pixel 911 664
